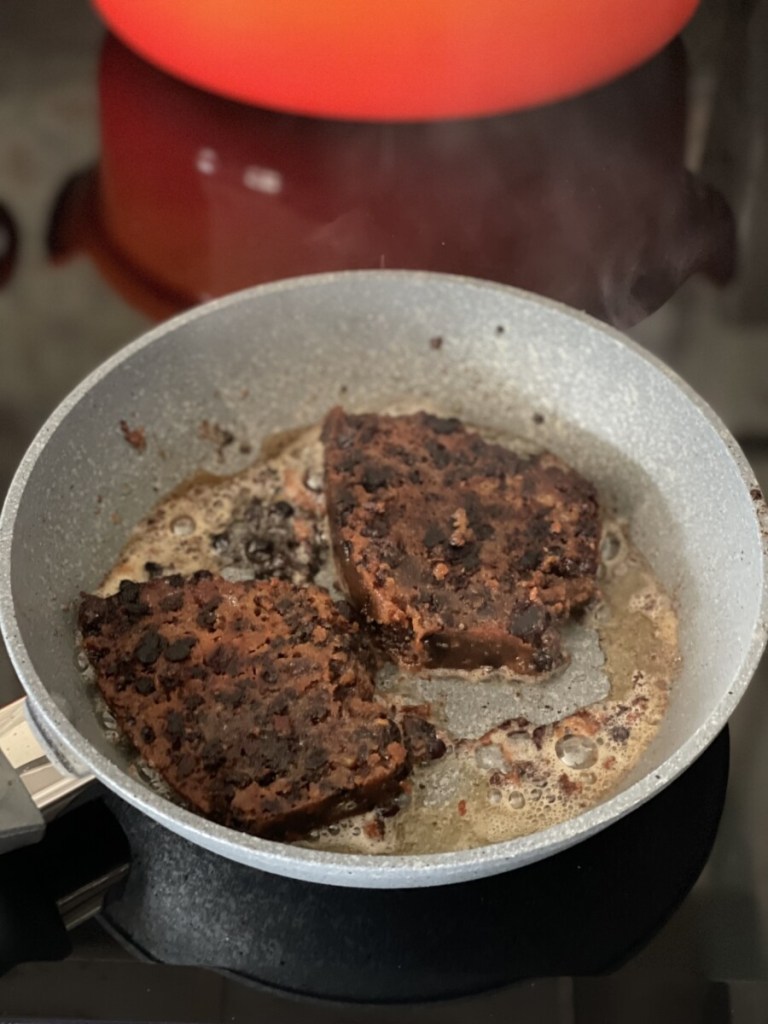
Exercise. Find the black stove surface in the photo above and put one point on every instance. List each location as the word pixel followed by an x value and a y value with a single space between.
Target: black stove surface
pixel 182 904
pixel 581 913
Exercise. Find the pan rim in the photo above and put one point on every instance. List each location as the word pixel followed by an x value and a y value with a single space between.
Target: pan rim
pixel 361 870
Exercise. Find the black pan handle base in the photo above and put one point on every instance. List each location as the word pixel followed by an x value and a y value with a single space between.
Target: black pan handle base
pixel 48 888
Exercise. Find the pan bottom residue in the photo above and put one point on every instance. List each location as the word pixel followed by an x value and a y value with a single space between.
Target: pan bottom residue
pixel 522 755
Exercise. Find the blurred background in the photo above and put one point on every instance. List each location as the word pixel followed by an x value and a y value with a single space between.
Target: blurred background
pixel 127 195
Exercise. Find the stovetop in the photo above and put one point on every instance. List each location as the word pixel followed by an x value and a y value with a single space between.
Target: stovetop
pixel 126 196
pixel 582 913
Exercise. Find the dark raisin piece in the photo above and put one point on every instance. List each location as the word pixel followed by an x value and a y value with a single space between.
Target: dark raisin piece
pixel 375 477
pixel 185 766
pixel 529 560
pixel 213 755
pixel 174 725
pixel 443 426
pixel 128 592
pixel 179 649
pixel 92 615
pixel 149 647
pixel 529 623
pixel 434 535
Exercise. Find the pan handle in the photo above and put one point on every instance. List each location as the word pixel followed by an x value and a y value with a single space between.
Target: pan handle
pixel 33 788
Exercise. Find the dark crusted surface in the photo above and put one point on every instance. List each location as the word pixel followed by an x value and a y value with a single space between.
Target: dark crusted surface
pixel 461 553
pixel 253 700
pixel 421 741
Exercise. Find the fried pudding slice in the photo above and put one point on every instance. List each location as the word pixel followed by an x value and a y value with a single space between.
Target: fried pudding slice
pixel 253 700
pixel 458 552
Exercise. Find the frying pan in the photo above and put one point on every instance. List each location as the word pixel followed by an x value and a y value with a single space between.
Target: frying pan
pixel 278 356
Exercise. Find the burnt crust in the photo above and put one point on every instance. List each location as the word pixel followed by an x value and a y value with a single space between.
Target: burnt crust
pixel 457 552
pixel 253 700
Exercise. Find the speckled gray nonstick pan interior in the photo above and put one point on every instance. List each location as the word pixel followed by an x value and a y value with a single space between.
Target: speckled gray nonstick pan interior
pixel 278 356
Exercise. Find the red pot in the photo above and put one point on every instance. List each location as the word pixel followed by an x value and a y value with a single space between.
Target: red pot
pixel 399 59
pixel 587 201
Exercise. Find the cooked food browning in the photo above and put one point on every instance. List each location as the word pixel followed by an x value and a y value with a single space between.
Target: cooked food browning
pixel 258 704
pixel 253 700
pixel 458 552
